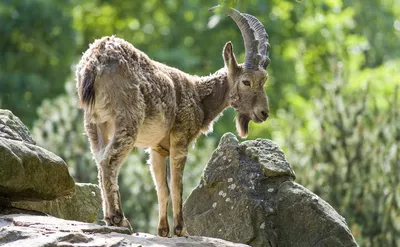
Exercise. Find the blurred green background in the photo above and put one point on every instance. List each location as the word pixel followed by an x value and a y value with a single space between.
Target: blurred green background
pixel 333 89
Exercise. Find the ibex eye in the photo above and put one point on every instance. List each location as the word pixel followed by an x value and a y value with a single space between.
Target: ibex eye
pixel 246 83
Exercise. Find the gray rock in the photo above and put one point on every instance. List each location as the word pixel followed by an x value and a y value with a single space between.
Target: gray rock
pixel 83 206
pixel 29 172
pixel 270 156
pixel 35 231
pixel 247 195
pixel 316 222
pixel 12 128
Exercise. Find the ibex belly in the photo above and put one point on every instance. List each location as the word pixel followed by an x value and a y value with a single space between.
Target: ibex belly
pixel 151 133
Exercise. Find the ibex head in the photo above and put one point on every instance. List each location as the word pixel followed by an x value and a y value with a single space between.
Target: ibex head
pixel 247 80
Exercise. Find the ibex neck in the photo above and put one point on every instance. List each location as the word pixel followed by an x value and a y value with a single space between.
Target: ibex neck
pixel 213 91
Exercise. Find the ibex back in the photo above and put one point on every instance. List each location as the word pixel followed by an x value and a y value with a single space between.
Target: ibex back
pixel 131 101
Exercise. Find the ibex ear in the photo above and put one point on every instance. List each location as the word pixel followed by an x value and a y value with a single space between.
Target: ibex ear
pixel 229 57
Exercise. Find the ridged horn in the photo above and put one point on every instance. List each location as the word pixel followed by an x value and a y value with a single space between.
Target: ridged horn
pixel 254 36
pixel 263 40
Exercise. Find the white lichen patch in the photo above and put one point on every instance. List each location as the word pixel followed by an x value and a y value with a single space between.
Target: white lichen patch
pixel 228 199
pixel 224 157
pixel 262 226
pixel 214 205
pixel 231 207
pixel 215 159
pixel 232 186
pixel 270 190
pixel 221 193
pixel 230 180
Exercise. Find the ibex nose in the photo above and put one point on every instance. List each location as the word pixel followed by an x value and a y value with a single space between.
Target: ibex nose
pixel 262 114
pixel 265 114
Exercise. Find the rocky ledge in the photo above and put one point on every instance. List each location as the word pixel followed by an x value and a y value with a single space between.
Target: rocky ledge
pixel 35 180
pixel 34 231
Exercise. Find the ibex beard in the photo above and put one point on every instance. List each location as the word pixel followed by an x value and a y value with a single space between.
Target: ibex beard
pixel 132 101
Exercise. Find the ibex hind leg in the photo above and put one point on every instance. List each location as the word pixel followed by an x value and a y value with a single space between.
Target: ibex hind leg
pixel 98 141
pixel 125 132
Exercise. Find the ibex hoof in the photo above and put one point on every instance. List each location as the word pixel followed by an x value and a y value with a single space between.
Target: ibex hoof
pixel 125 223
pixel 118 220
pixel 178 231
pixel 163 231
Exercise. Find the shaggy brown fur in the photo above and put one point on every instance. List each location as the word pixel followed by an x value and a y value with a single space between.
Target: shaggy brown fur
pixel 131 101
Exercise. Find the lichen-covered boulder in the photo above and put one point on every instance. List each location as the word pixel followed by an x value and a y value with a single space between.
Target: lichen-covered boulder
pixel 83 206
pixel 27 171
pixel 247 195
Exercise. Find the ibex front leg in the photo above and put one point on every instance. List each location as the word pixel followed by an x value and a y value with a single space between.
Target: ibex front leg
pixel 120 145
pixel 159 171
pixel 177 164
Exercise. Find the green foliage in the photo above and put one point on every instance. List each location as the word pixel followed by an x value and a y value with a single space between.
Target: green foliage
pixel 354 160
pixel 349 154
pixel 36 51
pixel 323 53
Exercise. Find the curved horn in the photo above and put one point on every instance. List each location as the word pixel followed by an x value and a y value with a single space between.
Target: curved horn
pixel 255 38
pixel 250 42
pixel 262 36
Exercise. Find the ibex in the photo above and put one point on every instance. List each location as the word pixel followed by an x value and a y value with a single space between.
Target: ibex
pixel 132 101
